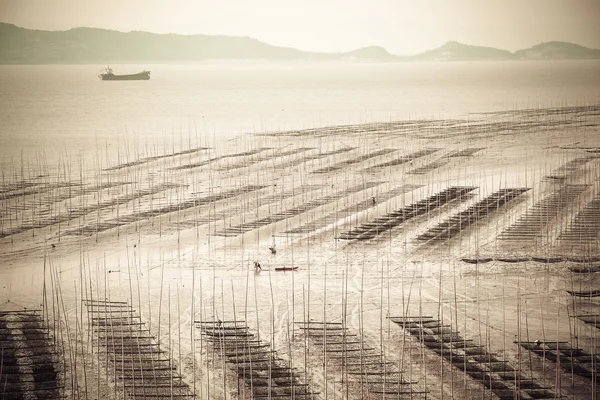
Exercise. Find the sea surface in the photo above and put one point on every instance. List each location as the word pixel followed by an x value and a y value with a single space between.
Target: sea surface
pixel 65 111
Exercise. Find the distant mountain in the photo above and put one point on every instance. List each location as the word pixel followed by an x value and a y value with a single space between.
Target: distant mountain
pixel 90 45
pixel 85 45
pixel 101 46
pixel 454 51
pixel 374 53
pixel 556 51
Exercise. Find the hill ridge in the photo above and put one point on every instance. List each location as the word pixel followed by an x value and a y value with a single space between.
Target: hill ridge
pixel 88 45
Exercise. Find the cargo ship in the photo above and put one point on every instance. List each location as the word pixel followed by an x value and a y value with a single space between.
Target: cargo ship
pixel 108 75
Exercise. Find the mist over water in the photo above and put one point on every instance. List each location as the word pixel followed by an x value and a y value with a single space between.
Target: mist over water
pixel 52 109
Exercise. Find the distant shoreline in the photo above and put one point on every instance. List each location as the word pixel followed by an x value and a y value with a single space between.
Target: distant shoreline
pixel 21 46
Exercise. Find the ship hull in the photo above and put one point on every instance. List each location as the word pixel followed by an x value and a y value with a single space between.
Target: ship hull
pixel 140 76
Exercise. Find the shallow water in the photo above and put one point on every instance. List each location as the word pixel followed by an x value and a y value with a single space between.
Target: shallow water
pixel 54 110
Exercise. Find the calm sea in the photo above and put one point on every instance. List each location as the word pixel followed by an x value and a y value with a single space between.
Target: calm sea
pixel 46 111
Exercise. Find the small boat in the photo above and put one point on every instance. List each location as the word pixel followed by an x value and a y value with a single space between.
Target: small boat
pixel 547 260
pixel 286 268
pixel 477 260
pixel 513 260
pixel 585 270
pixel 585 293
pixel 108 75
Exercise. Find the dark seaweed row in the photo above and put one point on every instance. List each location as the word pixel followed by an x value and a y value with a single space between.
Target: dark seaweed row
pixel 343 164
pixel 254 160
pixel 292 212
pixel 469 151
pixel 428 167
pixel 585 227
pixel 141 367
pixel 351 210
pixel 142 215
pixel 265 374
pixel 288 164
pixel 566 170
pixel 536 219
pixel 358 362
pixel 572 360
pixel 211 160
pixel 475 360
pixel 154 158
pixel 24 376
pixel 458 222
pixel 370 230
pixel 77 212
pixel 402 160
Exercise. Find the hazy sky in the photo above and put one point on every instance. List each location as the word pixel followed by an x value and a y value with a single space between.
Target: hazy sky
pixel 402 27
